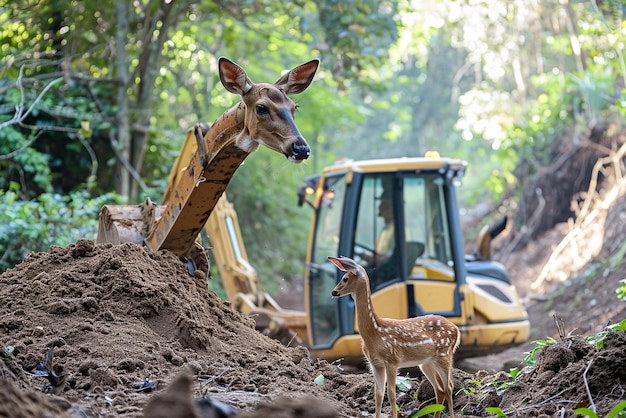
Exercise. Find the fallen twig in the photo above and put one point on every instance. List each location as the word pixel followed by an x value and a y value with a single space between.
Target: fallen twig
pixel 539 403
pixel 293 337
pixel 560 326
pixel 211 379
pixel 592 406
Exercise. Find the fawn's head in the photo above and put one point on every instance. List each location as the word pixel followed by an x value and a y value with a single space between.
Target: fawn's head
pixel 355 275
pixel 269 112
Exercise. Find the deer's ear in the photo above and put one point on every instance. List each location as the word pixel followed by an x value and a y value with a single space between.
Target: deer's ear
pixel 337 263
pixel 344 263
pixel 233 77
pixel 298 79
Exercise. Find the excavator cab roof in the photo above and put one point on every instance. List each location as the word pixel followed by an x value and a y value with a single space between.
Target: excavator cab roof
pixel 454 168
pixel 429 162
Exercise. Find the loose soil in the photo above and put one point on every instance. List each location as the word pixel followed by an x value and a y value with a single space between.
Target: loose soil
pixel 114 316
pixel 122 332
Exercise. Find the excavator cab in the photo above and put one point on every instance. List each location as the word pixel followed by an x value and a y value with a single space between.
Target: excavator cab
pixel 399 219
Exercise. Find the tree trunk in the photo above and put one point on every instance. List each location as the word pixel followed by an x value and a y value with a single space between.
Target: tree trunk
pixel 148 71
pixel 572 28
pixel 122 145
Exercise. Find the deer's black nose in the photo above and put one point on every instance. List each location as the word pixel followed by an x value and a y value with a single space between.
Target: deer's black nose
pixel 334 293
pixel 300 150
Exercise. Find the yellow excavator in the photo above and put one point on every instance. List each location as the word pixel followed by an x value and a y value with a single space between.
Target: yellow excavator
pixel 424 271
pixel 423 268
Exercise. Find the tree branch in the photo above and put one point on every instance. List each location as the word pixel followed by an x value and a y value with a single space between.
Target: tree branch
pixel 22 148
pixel 20 115
pixel 127 165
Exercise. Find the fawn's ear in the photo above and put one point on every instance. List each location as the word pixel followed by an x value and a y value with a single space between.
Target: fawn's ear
pixel 337 263
pixel 344 263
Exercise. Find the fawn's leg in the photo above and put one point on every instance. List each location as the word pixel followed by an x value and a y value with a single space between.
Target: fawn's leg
pixel 391 388
pixel 440 370
pixel 445 372
pixel 431 372
pixel 379 386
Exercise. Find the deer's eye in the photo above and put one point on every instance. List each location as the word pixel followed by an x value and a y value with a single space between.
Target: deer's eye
pixel 345 279
pixel 261 109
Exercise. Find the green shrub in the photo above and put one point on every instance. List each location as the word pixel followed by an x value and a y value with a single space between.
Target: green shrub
pixel 50 219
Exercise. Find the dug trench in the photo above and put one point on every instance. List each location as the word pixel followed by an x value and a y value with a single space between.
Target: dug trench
pixel 130 334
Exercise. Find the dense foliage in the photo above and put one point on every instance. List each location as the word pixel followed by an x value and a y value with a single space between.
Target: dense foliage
pixel 50 219
pixel 96 97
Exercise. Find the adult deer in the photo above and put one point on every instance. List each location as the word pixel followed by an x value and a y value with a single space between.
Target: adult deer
pixel 208 160
pixel 427 341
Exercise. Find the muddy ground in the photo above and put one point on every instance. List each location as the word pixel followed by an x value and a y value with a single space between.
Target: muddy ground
pixel 130 333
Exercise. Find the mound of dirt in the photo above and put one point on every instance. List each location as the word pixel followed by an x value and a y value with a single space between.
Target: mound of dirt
pixel 117 315
pixel 124 332
pixel 571 373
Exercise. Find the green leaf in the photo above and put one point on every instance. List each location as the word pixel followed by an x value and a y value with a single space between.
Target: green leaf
pixel 620 326
pixel 90 36
pixel 496 411
pixel 587 412
pixel 403 383
pixel 428 410
pixel 85 130
pixel 319 380
pixel 617 409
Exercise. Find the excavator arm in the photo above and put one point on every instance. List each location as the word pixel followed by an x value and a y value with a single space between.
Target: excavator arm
pixel 190 197
pixel 241 281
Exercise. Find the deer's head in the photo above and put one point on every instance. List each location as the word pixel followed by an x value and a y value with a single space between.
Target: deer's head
pixel 354 277
pixel 269 112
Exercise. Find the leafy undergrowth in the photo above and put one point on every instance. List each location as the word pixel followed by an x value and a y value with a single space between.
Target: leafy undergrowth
pixel 558 378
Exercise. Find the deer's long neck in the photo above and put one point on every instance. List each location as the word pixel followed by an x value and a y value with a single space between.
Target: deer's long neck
pixel 226 128
pixel 367 319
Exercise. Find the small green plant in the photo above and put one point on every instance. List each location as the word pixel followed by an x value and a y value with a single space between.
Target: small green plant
pixel 539 345
pixel 617 411
pixel 501 387
pixel 472 389
pixel 403 383
pixel 495 411
pixel 621 290
pixel 598 339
